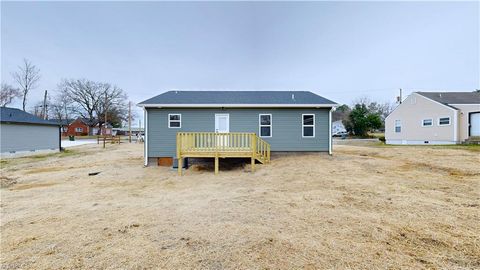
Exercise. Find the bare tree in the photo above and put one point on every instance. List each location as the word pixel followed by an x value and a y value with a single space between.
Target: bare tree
pixel 27 78
pixel 113 100
pixel 92 99
pixel 7 94
pixel 62 107
pixel 84 93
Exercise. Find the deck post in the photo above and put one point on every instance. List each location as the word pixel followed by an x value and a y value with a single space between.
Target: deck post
pixel 179 155
pixel 254 150
pixel 180 165
pixel 216 165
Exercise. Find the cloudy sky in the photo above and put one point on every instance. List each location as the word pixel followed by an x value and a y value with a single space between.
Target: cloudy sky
pixel 339 50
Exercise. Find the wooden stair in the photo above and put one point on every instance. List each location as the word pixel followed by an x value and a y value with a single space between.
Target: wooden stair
pixel 472 140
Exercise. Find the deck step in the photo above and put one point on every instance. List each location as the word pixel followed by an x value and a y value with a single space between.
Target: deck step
pixel 472 140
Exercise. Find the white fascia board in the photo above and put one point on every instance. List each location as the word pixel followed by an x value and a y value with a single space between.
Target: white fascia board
pixel 238 105
pixel 455 104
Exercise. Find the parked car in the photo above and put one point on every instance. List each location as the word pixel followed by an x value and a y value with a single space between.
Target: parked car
pixel 342 134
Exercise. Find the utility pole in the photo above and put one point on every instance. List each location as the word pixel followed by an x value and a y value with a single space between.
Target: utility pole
pixel 44 112
pixel 130 122
pixel 105 124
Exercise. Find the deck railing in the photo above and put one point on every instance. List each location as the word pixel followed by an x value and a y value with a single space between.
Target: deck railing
pixel 221 145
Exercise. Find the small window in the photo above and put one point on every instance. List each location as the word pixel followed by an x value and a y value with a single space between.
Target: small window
pixel 398 126
pixel 308 125
pixel 78 129
pixel 427 122
pixel 444 121
pixel 174 121
pixel 265 125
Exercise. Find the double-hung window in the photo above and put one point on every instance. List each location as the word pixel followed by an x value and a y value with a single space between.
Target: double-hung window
pixel 444 121
pixel 427 122
pixel 78 129
pixel 174 120
pixel 308 125
pixel 265 125
pixel 398 126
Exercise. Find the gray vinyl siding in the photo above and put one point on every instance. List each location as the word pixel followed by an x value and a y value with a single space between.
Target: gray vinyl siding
pixel 286 127
pixel 27 137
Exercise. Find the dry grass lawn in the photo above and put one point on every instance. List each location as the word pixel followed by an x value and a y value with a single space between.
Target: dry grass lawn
pixel 366 207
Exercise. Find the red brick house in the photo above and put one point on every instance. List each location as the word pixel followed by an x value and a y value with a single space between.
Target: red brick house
pixel 80 127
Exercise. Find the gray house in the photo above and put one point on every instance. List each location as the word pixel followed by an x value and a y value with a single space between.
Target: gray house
pixel 278 121
pixel 23 133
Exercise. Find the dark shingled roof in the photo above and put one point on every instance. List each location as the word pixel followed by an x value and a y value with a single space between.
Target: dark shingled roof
pixel 62 122
pixel 453 97
pixel 12 115
pixel 238 98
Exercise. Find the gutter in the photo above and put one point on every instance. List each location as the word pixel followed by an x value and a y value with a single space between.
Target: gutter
pixel 237 105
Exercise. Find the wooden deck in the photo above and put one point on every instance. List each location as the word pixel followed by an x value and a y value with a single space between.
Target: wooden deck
pixel 221 145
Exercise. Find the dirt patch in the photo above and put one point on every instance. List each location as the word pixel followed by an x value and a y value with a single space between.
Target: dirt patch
pixel 408 166
pixel 365 207
pixel 6 182
pixel 46 169
pixel 31 185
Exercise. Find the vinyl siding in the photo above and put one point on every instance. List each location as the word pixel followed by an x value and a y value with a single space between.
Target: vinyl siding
pixel 413 110
pixel 463 119
pixel 286 127
pixel 25 137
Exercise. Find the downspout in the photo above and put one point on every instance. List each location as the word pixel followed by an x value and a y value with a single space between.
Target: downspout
pixel 330 131
pixel 145 143
pixel 60 139
pixel 455 128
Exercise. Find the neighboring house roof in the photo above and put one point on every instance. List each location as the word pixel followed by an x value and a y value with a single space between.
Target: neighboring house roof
pixel 103 125
pixel 449 98
pixel 12 115
pixel 88 122
pixel 126 129
pixel 238 98
pixel 63 122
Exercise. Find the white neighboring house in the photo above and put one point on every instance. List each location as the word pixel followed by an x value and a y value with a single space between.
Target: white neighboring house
pixel 338 127
pixel 434 118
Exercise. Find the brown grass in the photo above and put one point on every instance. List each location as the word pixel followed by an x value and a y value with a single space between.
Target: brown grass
pixel 363 208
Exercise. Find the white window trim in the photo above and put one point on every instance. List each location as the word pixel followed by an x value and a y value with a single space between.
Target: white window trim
pixel 423 122
pixel 303 125
pixel 169 121
pixel 449 121
pixel 260 125
pixel 395 126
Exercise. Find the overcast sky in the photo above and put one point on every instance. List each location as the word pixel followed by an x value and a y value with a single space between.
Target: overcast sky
pixel 339 50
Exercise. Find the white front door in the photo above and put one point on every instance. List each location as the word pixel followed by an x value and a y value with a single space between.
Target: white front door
pixel 222 123
pixel 475 124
